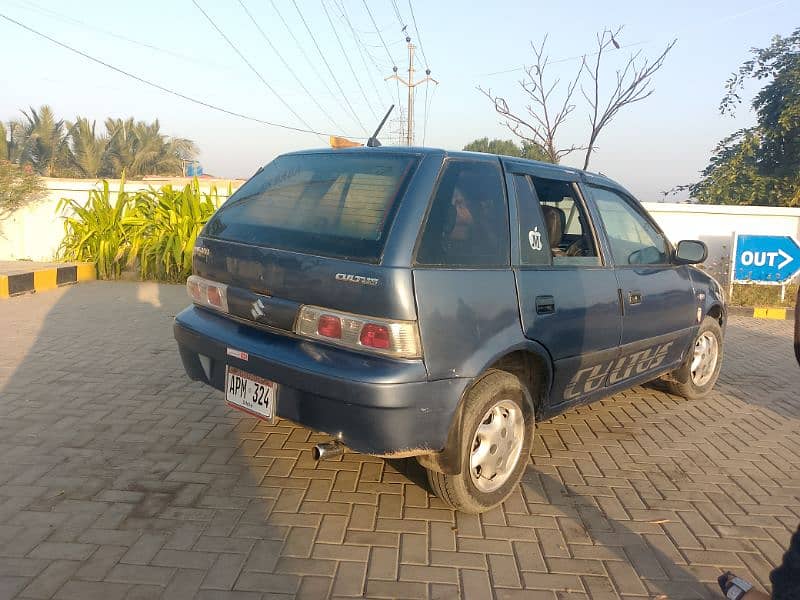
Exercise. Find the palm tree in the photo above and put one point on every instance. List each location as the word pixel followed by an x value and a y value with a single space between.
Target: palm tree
pixel 139 148
pixel 88 151
pixel 44 143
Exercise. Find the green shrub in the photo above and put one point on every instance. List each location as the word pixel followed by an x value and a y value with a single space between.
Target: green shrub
pixel 154 230
pixel 162 227
pixel 95 233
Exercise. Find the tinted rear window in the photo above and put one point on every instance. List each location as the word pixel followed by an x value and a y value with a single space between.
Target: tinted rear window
pixel 324 204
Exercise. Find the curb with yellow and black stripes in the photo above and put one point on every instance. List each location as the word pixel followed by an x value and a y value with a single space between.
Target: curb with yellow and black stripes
pixel 43 279
pixel 763 312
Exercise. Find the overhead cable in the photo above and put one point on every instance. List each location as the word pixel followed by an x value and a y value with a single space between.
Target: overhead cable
pixel 166 89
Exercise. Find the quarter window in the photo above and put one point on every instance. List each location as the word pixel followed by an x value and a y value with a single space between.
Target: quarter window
pixel 467 225
pixel 633 238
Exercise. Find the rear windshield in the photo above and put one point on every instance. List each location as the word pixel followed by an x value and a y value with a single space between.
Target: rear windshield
pixel 324 204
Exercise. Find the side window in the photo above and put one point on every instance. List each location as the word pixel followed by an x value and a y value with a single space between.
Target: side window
pixel 533 238
pixel 634 240
pixel 467 224
pixel 568 229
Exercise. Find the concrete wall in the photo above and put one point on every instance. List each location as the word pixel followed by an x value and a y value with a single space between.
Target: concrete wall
pixel 35 232
pixel 715 225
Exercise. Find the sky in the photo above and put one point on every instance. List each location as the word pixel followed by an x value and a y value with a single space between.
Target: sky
pixel 652 146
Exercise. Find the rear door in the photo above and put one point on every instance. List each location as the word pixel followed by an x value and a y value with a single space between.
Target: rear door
pixel 568 299
pixel 658 297
pixel 465 290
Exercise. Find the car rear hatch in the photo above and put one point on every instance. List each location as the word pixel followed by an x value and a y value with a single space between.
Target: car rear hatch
pixel 309 230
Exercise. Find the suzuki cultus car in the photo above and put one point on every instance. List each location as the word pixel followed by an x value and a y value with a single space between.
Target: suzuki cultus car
pixel 420 303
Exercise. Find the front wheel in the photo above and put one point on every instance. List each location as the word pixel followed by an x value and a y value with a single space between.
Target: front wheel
pixel 496 436
pixel 700 369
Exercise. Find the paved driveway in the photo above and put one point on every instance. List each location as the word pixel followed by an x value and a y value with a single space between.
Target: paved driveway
pixel 121 479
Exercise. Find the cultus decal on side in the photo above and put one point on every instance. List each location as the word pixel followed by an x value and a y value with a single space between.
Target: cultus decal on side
pixel 360 279
pixel 592 378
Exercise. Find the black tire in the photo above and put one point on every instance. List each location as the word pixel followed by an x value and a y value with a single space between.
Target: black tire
pixel 680 381
pixel 459 491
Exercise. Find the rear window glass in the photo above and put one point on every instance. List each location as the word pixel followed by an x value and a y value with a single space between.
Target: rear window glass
pixel 324 204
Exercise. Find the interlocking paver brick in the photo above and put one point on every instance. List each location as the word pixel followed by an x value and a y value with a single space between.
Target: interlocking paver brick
pixel 140 574
pixel 51 579
pixel 159 489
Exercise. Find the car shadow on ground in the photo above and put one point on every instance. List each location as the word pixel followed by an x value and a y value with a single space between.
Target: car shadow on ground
pixel 122 478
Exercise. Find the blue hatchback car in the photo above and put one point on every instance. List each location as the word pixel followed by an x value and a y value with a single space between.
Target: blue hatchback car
pixel 418 302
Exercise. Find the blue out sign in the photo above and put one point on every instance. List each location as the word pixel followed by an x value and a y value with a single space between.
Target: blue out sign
pixel 765 258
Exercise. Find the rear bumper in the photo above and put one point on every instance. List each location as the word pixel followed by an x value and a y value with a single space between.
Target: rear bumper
pixel 373 405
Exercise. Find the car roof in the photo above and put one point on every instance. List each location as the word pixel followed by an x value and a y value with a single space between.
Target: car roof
pixel 597 178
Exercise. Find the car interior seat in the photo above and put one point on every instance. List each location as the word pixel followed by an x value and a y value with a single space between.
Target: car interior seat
pixel 555 219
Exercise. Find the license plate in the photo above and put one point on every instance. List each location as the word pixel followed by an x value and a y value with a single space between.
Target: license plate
pixel 251 393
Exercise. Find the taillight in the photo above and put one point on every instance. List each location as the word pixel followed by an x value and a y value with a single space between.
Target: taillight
pixel 329 326
pixel 208 293
pixel 399 339
pixel 375 336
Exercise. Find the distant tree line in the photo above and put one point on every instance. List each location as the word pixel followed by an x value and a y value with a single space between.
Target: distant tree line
pixel 528 149
pixel 55 147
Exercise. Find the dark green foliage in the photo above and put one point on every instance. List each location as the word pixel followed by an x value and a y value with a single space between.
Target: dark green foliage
pixel 760 165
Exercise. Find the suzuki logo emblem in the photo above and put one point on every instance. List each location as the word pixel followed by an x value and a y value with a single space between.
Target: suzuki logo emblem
pixel 258 309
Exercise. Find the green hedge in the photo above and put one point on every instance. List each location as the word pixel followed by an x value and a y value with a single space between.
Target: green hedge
pixel 152 230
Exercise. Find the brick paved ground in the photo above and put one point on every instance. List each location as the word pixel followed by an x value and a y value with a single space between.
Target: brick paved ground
pixel 121 479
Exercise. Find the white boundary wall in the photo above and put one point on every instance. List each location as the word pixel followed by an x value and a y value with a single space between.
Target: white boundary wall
pixel 716 224
pixel 35 232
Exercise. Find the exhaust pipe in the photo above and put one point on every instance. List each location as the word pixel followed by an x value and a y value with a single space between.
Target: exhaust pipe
pixel 327 450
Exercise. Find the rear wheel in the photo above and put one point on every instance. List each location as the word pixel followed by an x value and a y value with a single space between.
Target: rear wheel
pixel 496 436
pixel 700 369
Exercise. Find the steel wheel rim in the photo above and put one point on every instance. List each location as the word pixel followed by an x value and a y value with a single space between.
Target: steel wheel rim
pixel 704 359
pixel 496 446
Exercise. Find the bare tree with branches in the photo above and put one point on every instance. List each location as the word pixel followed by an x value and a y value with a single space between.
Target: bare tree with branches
pixel 545 113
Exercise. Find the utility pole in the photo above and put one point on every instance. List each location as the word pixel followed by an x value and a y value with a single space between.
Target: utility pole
pixel 411 84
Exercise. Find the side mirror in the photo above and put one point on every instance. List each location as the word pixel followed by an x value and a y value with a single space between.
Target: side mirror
pixel 691 252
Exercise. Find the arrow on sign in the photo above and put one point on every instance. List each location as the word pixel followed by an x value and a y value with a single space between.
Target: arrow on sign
pixel 766 258
pixel 787 258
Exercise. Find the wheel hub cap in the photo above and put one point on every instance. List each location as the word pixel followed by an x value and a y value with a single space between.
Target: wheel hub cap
pixel 496 446
pixel 704 360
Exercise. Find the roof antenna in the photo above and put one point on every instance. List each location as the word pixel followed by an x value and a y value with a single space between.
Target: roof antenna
pixel 373 141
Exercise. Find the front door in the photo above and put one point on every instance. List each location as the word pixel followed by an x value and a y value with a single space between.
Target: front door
pixel 568 297
pixel 659 305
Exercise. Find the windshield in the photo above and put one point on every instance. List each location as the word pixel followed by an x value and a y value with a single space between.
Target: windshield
pixel 324 204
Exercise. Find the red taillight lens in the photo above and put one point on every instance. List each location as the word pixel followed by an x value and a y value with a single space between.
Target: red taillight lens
pixel 194 290
pixel 214 296
pixel 375 336
pixel 329 326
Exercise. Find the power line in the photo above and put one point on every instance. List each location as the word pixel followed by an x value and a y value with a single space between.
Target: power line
pixel 64 18
pixel 288 68
pixel 333 94
pixel 427 108
pixel 561 60
pixel 403 26
pixel 347 59
pixel 161 87
pixel 322 55
pixel 252 68
pixel 362 51
pixel 378 31
pixel 416 29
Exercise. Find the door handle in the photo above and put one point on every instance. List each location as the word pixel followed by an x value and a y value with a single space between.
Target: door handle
pixel 545 305
pixel 635 297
